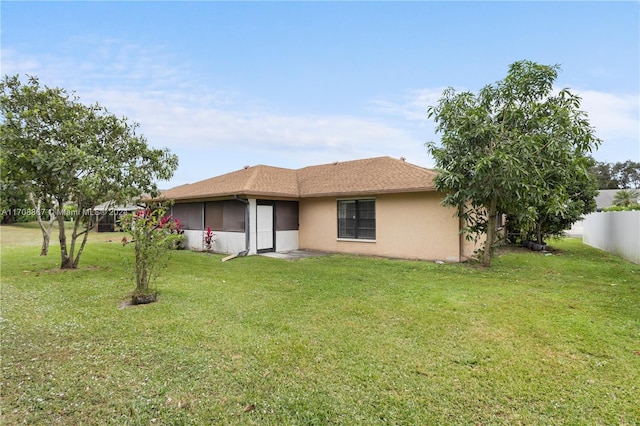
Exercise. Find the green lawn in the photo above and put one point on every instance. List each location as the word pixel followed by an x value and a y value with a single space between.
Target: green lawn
pixel 330 340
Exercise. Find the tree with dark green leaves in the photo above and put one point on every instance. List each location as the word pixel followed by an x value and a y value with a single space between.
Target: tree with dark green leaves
pixel 13 201
pixel 513 148
pixel 604 176
pixel 579 201
pixel 62 151
pixel 627 174
pixel 620 175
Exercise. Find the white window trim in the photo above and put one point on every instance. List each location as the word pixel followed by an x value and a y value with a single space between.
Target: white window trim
pixel 359 240
pixel 355 240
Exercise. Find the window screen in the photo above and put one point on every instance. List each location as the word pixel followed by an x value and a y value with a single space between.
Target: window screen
pixel 287 216
pixel 357 219
pixel 213 211
pixel 189 214
pixel 227 215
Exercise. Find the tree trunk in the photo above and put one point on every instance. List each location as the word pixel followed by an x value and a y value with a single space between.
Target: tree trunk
pixel 85 237
pixel 539 233
pixel 70 259
pixel 65 259
pixel 491 233
pixel 46 230
pixel 142 272
pixel 46 233
pixel 44 250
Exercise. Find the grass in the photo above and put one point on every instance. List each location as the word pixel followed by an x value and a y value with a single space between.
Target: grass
pixel 331 340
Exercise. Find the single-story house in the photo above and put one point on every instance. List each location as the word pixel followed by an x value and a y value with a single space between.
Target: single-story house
pixel 377 206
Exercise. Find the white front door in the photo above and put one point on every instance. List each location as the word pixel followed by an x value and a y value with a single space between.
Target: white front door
pixel 264 228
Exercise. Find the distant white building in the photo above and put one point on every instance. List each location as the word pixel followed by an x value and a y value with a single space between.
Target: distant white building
pixel 605 198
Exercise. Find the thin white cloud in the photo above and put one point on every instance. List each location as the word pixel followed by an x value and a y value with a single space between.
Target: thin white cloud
pixel 614 116
pixel 98 63
pixel 412 106
pixel 179 121
pixel 194 120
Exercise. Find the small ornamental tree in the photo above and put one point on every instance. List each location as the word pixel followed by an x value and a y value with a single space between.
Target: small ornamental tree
pixel 153 235
pixel 64 152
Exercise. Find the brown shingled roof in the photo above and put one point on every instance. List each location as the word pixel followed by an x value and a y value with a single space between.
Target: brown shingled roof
pixel 369 176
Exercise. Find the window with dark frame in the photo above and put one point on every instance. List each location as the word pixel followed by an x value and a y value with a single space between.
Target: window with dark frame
pixel 357 219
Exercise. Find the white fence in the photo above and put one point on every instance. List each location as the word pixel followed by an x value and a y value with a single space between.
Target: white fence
pixel 615 232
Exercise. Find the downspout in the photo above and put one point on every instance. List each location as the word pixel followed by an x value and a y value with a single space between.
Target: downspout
pixel 461 236
pixel 246 226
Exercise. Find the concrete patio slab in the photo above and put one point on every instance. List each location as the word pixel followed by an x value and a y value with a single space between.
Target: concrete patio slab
pixel 294 254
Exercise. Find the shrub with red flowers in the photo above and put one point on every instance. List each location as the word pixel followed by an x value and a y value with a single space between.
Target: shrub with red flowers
pixel 153 233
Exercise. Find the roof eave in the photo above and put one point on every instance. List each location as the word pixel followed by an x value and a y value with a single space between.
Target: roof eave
pixel 369 192
pixel 223 195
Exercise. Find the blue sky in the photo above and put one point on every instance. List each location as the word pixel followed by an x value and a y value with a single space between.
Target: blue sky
pixel 292 84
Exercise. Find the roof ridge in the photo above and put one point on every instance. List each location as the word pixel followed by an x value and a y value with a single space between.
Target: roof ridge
pixel 335 163
pixel 383 174
pixel 251 178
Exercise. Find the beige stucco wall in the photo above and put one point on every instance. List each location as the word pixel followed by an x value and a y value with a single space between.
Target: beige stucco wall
pixel 411 226
pixel 469 247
